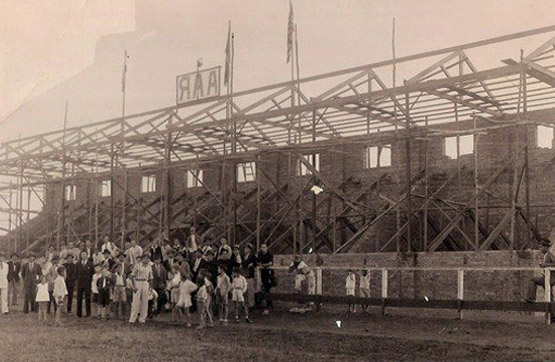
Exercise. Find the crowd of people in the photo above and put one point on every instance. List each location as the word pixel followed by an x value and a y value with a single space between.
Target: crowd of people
pixel 134 283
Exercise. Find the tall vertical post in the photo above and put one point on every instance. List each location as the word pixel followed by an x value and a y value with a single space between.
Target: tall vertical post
pixel 426 196
pixel 476 209
pixel 61 235
pixel 460 292
pixel 408 167
pixel 124 210
pixel 258 201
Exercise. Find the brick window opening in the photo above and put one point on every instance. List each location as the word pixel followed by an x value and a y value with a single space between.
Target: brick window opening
pixel 313 159
pixel 544 137
pixel 246 171
pixel 195 178
pixel 378 156
pixel 105 188
pixel 148 184
pixel 70 192
pixel 466 146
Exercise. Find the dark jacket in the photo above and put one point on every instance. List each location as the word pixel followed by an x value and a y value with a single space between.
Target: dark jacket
pixel 31 275
pixel 84 274
pixel 249 265
pixel 14 267
pixel 109 283
pixel 159 276
pixel 71 274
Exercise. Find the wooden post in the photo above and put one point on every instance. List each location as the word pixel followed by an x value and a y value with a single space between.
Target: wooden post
pixel 384 289
pixel 460 291
pixel 12 243
pixel 408 170
pixel 426 196
pixel 476 210
pixel 318 281
pixel 258 201
pixel 124 210
pixel 547 289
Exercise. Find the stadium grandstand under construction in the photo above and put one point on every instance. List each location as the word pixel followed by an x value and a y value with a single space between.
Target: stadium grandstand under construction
pixel 449 159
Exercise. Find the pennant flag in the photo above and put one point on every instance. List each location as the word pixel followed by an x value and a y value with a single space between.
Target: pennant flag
pixel 290 33
pixel 124 72
pixel 227 71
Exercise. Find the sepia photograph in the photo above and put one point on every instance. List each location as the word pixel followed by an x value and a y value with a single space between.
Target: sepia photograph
pixel 277 180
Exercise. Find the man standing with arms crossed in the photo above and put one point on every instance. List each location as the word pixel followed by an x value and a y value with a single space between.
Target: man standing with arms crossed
pixel 141 278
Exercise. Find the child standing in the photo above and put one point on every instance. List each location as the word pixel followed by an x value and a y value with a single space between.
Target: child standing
pixel 186 288
pixel 94 286
pixel 60 293
pixel 173 287
pixel 239 288
pixel 104 284
pixel 119 295
pixel 222 291
pixel 202 300
pixel 364 287
pixel 350 285
pixel 42 297
pixel 209 291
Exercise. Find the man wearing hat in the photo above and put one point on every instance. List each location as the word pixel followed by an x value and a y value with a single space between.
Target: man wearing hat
pixel 71 278
pixel 30 274
pixel 249 267
pixel 4 269
pixel 141 279
pixel 14 266
pixel 548 261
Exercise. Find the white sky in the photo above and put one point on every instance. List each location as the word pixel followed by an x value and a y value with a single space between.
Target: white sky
pixel 44 43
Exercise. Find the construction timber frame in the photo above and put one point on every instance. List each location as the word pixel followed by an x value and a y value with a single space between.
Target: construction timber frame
pixel 403 208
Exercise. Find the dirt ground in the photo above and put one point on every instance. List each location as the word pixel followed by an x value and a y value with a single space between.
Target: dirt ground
pixel 281 336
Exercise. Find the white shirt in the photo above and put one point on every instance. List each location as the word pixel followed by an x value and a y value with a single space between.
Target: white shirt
pixel 365 281
pixel 3 275
pixel 239 283
pixel 94 286
pixel 350 281
pixel 60 289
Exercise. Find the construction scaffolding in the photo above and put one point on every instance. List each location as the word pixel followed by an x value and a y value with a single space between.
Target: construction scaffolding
pixel 244 165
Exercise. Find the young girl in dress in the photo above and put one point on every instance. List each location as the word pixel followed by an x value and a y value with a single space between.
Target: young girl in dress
pixel 186 287
pixel 42 297
pixel 60 293
pixel 174 280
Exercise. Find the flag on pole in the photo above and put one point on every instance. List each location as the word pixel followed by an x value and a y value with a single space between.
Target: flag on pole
pixel 227 72
pixel 124 72
pixel 290 32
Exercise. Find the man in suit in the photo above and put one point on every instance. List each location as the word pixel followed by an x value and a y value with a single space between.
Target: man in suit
pixel 159 276
pixel 71 279
pixel 83 283
pixel 14 268
pixel 30 273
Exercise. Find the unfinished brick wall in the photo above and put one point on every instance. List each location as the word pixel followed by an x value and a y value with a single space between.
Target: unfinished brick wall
pixel 478 285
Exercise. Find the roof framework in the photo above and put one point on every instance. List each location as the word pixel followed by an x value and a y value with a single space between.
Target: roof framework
pixel 356 101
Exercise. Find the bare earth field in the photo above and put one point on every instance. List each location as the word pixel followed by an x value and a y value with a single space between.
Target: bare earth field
pixel 281 336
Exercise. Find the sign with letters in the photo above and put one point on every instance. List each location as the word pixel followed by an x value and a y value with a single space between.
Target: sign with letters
pixel 198 85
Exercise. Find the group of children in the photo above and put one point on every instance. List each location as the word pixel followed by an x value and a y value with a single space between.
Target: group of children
pixel 182 290
pixel 59 294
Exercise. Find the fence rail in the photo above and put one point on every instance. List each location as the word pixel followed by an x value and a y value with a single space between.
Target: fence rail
pixel 459 304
